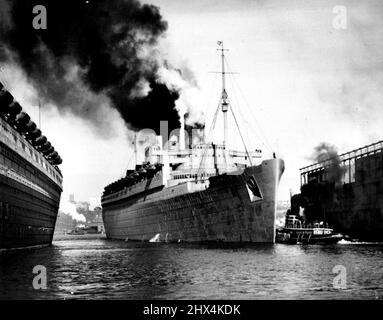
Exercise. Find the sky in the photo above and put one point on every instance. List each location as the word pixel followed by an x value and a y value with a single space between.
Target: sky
pixel 300 81
pixel 304 81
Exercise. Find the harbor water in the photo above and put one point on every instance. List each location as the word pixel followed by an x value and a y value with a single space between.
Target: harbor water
pixel 103 269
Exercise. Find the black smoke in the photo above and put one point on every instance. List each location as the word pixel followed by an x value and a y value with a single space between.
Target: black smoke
pixel 326 151
pixel 320 191
pixel 92 53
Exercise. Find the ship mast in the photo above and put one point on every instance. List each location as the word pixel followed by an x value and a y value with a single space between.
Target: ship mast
pixel 135 150
pixel 39 114
pixel 224 105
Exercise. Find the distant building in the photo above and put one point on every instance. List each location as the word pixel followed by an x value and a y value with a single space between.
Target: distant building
pixel 94 202
pixel 91 211
pixel 94 220
pixel 64 223
pixel 97 225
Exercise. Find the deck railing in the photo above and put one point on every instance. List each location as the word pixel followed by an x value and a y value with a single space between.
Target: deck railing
pixel 354 154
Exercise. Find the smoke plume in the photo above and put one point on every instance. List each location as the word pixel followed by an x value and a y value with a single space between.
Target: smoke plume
pixel 94 54
pixel 325 151
pixel 70 208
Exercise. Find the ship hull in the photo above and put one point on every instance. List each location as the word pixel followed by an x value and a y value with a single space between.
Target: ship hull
pixel 28 206
pixel 354 206
pixel 360 216
pixel 232 209
pixel 30 180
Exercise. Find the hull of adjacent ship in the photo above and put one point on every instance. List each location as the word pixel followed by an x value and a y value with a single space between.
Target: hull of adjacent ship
pixel 359 213
pixel 355 207
pixel 28 203
pixel 234 208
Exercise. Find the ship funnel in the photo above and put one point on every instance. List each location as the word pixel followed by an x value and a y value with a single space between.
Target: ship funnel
pixel 181 142
pixel 159 141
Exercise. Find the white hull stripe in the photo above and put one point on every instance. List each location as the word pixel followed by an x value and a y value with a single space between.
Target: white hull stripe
pixel 16 177
pixel 38 246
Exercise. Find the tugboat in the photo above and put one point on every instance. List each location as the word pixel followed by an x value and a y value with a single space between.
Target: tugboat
pixel 297 231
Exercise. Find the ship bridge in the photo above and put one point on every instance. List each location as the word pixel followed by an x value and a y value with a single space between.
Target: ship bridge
pixel 199 161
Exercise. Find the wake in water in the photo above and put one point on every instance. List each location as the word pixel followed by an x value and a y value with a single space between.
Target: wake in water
pixel 356 241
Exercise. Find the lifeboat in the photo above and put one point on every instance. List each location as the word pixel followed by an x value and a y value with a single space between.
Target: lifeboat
pixel 135 174
pixel 126 182
pixel 34 135
pixel 8 106
pixel 26 127
pixel 5 100
pixel 151 170
pixel 58 160
pixel 14 109
pixel 142 171
pixel 128 172
pixel 158 167
pixel 41 140
pixel 46 148
pixel 46 145
pixel 120 184
pixel 30 126
pixel 54 158
pixel 47 152
pixel 53 155
pixel 22 120
pixel 129 180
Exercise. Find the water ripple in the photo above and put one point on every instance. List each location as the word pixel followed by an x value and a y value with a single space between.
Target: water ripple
pixel 101 269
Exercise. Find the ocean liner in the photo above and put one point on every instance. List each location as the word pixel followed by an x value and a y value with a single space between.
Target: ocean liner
pixel 347 192
pixel 30 180
pixel 192 190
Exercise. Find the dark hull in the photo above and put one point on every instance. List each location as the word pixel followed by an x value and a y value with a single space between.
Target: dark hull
pixel 28 211
pixel 355 206
pixel 223 212
pixel 363 223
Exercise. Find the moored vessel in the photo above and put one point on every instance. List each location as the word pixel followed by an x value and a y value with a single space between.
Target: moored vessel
pixel 30 180
pixel 195 190
pixel 348 191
